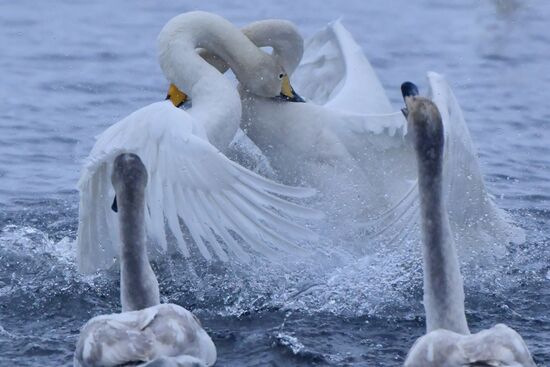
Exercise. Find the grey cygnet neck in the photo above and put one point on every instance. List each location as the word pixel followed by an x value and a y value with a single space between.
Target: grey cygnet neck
pixel 443 286
pixel 138 283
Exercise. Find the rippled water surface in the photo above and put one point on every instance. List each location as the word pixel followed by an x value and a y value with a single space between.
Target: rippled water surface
pixel 72 68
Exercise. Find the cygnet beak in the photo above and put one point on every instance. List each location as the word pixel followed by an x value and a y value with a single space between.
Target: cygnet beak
pixel 408 90
pixel 114 206
pixel 287 92
pixel 176 96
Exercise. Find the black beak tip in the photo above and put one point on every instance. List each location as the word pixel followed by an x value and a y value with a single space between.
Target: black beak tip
pixel 178 106
pixel 298 98
pixel 114 207
pixel 295 98
pixel 409 89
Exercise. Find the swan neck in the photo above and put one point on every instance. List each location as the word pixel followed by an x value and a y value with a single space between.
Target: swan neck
pixel 282 36
pixel 443 286
pixel 138 284
pixel 216 102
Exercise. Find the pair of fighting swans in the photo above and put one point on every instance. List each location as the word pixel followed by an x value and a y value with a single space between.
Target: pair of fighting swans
pixel 349 144
pixel 190 179
pixel 352 147
pixel 448 342
pixel 346 143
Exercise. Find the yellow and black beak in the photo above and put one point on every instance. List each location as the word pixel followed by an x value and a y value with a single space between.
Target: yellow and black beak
pixel 176 96
pixel 287 92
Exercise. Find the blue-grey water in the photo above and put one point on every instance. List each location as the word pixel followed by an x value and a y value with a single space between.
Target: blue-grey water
pixel 70 68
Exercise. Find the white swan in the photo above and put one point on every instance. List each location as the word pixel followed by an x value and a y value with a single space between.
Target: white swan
pixel 448 342
pixel 146 331
pixel 351 143
pixel 190 180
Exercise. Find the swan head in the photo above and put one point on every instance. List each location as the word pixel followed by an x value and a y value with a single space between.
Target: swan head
pixel 288 48
pixel 268 79
pixel 424 122
pixel 129 174
pixel 287 92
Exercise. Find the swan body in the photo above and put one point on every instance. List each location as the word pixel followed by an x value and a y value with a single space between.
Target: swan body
pixel 448 341
pixel 498 346
pixel 165 331
pixel 181 150
pixel 146 330
pixel 348 136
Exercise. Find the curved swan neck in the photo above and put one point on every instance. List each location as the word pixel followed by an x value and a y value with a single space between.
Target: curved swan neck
pixel 443 287
pixel 215 100
pixel 282 36
pixel 138 284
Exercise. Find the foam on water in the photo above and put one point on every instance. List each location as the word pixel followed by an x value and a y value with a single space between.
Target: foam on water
pixel 324 315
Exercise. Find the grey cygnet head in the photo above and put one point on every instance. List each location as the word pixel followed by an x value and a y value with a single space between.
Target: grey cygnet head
pixel 425 123
pixel 129 174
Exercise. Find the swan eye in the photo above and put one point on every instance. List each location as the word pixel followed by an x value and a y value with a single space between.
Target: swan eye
pixel 281 76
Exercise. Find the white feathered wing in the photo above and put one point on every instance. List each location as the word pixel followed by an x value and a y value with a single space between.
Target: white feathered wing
pixel 190 182
pixel 336 74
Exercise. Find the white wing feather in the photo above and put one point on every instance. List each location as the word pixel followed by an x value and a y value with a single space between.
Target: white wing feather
pixel 334 72
pixel 463 180
pixel 189 181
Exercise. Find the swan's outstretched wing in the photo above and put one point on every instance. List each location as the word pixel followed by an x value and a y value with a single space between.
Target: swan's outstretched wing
pixel 467 198
pixel 194 191
pixel 379 142
pixel 497 346
pixel 334 72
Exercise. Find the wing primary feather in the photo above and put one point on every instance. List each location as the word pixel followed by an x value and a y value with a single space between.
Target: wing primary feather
pixel 222 231
pixel 399 216
pixel 271 186
pixel 283 225
pixel 271 235
pixel 287 207
pixel 171 216
pixel 204 221
pixel 154 200
pixel 400 202
pixel 239 220
pixel 190 221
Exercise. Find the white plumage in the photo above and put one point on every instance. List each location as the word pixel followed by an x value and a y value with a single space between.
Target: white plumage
pixel 189 180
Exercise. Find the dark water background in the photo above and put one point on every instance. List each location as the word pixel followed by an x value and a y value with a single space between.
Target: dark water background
pixel 71 68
